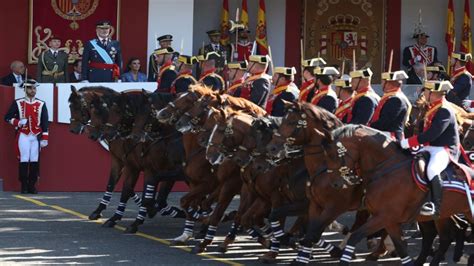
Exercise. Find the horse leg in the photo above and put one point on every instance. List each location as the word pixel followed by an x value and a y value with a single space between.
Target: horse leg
pixel 149 191
pixel 428 233
pixel 395 232
pixel 114 177
pixel 460 227
pixel 373 224
pixel 187 232
pixel 162 201
pixel 227 193
pixel 133 228
pixel 127 192
pixel 445 233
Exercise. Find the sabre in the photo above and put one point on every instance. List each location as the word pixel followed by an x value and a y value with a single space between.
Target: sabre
pixel 182 46
pixel 236 54
pixel 390 62
pixel 271 59
pixel 254 47
pixel 354 60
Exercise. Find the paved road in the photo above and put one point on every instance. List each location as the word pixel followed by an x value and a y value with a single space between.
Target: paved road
pixel 51 228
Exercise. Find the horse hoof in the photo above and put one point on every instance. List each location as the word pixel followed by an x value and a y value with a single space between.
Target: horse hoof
pixel 264 242
pixel 222 249
pixel 197 249
pixel 268 258
pixel 95 216
pixel 131 230
pixel 336 253
pixel 109 224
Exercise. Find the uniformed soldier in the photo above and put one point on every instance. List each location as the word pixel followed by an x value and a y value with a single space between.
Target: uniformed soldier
pixel 52 63
pixel 153 69
pixel 441 139
pixel 461 79
pixel 215 46
pixel 209 77
pixel 102 57
pixel 237 71
pixel 436 72
pixel 365 100
pixel 258 83
pixel 185 77
pixel 29 116
pixel 418 54
pixel 166 76
pixel 324 96
pixel 284 89
pixel 309 86
pixel 345 94
pixel 244 46
pixel 394 108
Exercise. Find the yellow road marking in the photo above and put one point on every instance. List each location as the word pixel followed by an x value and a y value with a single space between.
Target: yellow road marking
pixel 121 228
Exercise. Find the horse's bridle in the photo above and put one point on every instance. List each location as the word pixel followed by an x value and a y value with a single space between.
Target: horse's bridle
pixel 177 113
pixel 348 174
pixel 85 114
pixel 228 133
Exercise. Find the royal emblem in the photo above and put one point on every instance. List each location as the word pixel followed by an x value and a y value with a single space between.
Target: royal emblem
pixel 74 10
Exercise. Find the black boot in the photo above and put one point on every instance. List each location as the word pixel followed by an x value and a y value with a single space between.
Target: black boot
pixel 33 177
pixel 437 193
pixel 23 177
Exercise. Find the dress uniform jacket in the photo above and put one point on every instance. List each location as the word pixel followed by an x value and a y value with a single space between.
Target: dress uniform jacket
pixel 275 105
pixel 35 111
pixel 363 107
pixel 344 109
pixel 223 51
pixel 212 80
pixel 462 82
pixel 52 69
pixel 166 76
pixel 96 68
pixel 257 87
pixel 307 91
pixel 325 98
pixel 391 114
pixel 182 82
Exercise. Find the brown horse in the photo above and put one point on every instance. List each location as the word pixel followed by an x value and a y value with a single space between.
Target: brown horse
pixel 361 155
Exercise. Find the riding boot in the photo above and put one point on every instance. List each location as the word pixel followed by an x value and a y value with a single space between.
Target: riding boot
pixel 437 193
pixel 23 176
pixel 33 177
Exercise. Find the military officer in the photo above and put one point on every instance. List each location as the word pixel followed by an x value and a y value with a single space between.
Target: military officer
pixel 209 77
pixel 237 71
pixel 185 76
pixel 441 139
pixel 461 79
pixel 309 86
pixel 258 83
pixel 419 53
pixel 435 72
pixel 102 57
pixel 29 116
pixel 153 69
pixel 345 94
pixel 52 63
pixel 215 46
pixel 365 100
pixel 284 89
pixel 324 96
pixel 167 74
pixel 394 108
pixel 244 46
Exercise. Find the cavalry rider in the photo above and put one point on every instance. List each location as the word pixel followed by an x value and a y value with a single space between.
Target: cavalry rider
pixel 102 57
pixel 185 64
pixel 308 87
pixel 394 108
pixel 324 96
pixel 365 100
pixel 167 74
pixel 209 77
pixel 258 83
pixel 461 79
pixel 29 116
pixel 435 72
pixel 153 69
pixel 284 89
pixel 237 71
pixel 345 94
pixel 440 138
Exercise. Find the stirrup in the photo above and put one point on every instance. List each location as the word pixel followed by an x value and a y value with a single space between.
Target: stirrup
pixel 428 209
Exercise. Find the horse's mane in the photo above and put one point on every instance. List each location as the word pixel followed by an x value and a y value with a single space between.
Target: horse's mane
pixel 328 120
pixel 348 131
pixel 245 104
pixel 201 89
pixel 99 89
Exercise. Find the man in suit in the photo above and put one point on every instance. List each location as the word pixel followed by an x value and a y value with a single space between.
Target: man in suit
pixel 76 75
pixel 215 46
pixel 16 76
pixel 102 57
pixel 52 63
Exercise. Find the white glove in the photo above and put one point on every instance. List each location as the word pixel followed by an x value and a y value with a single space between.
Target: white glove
pixel 466 104
pixel 43 143
pixel 418 58
pixel 404 144
pixel 22 122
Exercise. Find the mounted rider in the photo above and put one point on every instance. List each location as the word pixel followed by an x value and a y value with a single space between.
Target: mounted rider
pixel 284 89
pixel 209 77
pixel 237 71
pixel 345 95
pixel 185 78
pixel 461 79
pixel 258 83
pixel 308 87
pixel 167 74
pixel 394 108
pixel 324 96
pixel 365 100
pixel 440 138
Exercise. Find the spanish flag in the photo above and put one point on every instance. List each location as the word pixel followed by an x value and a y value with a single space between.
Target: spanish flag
pixel 225 37
pixel 261 32
pixel 466 41
pixel 450 36
pixel 244 18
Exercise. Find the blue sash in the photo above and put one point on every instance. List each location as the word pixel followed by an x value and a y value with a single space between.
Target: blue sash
pixel 102 52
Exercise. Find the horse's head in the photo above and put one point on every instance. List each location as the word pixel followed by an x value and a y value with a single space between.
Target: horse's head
pixel 227 135
pixel 79 109
pixel 99 115
pixel 195 117
pixel 173 111
pixel 144 122
pixel 303 124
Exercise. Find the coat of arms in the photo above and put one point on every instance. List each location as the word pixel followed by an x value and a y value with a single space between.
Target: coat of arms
pixel 74 10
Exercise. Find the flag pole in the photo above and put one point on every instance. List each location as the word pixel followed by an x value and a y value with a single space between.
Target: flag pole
pixel 236 53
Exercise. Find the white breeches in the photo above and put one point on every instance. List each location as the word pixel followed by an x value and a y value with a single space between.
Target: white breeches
pixel 439 160
pixel 29 148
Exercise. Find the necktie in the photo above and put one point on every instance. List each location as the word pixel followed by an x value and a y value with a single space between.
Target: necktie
pixel 55 54
pixel 104 42
pixel 18 78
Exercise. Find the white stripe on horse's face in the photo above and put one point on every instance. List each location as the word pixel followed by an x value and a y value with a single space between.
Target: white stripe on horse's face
pixel 210 137
pixel 183 95
pixel 209 113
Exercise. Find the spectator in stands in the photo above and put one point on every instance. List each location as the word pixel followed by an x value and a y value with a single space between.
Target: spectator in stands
pixel 133 73
pixel 417 74
pixel 76 75
pixel 17 75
